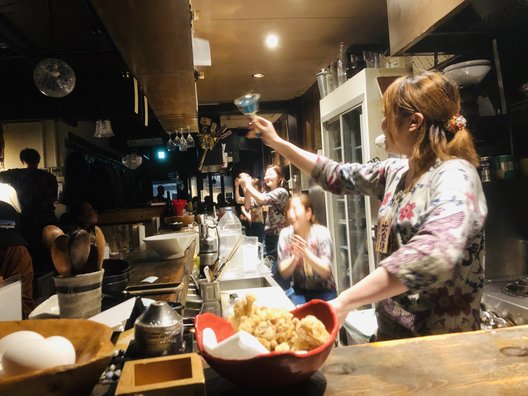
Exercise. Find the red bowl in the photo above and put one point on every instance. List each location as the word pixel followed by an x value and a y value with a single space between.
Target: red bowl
pixel 284 367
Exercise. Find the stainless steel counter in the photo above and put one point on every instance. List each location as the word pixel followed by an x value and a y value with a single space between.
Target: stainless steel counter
pixel 514 308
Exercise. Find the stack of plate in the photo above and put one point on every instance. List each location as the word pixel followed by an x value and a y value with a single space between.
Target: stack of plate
pixel 470 72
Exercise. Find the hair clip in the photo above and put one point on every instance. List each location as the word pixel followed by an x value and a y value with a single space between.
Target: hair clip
pixel 456 123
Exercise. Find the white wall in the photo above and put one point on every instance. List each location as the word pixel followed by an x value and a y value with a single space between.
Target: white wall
pixel 19 136
pixel 48 138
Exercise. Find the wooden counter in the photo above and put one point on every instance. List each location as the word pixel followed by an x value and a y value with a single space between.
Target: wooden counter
pixel 130 215
pixel 145 262
pixel 491 362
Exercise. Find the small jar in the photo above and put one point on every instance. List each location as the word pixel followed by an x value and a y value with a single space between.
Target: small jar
pixel 158 331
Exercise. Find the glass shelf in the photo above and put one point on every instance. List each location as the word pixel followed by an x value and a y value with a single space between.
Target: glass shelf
pixel 347 222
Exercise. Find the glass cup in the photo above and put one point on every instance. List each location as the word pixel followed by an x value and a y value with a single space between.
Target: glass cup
pixel 190 141
pixel 171 146
pixel 248 104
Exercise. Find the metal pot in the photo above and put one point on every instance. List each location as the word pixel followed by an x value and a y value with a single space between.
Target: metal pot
pixel 116 276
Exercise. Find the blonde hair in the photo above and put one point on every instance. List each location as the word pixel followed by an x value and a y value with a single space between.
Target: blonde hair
pixel 437 98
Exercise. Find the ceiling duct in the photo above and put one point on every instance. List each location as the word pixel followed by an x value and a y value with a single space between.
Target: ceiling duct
pixel 154 38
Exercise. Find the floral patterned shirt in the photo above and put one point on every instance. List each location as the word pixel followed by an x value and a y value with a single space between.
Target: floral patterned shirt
pixel 321 245
pixel 276 200
pixel 438 229
pixel 257 215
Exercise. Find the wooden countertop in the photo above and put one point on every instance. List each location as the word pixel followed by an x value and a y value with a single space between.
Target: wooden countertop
pixel 474 363
pixel 490 362
pixel 145 262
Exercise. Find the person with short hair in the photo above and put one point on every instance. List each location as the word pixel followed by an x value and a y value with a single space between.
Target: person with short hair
pixel 430 238
pixel 160 196
pixel 37 192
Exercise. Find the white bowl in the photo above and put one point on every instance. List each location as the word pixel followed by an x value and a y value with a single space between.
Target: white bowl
pixel 476 62
pixel 470 75
pixel 170 246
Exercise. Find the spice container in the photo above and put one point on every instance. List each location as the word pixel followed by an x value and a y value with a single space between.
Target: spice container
pixel 158 331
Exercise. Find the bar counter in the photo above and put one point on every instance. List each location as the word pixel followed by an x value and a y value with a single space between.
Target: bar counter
pixel 489 362
pixel 473 363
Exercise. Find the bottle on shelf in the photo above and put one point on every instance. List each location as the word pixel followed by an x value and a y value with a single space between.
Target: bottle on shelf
pixel 341 65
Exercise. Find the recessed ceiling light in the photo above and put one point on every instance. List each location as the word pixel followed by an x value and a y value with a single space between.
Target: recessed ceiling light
pixel 258 75
pixel 272 40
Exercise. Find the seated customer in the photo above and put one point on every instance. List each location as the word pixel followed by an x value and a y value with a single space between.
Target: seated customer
pixel 306 252
pixel 81 214
pixel 14 255
pixel 80 218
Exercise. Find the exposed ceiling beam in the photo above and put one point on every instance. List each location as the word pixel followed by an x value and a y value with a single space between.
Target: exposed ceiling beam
pixel 154 38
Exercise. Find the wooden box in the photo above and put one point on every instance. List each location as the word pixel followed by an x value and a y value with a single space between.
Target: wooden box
pixel 167 375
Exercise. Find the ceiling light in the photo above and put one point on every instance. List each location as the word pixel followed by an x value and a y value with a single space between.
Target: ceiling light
pixel 272 40
pixel 258 75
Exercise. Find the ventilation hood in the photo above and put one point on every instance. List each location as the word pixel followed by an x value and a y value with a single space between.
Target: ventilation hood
pixel 154 38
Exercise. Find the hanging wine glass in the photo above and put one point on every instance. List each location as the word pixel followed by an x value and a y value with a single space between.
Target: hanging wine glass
pixel 183 144
pixel 171 146
pixel 177 140
pixel 190 141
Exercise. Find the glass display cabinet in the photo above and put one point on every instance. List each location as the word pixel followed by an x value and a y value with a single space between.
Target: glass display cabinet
pixel 351 119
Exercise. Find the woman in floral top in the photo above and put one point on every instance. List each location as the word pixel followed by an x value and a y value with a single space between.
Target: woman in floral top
pixel 276 198
pixel 431 219
pixel 255 216
pixel 306 252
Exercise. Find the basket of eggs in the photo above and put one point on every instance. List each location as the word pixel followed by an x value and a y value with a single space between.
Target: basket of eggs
pixel 52 356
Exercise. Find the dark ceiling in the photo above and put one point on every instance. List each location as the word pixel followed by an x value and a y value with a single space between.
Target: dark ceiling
pixel 70 30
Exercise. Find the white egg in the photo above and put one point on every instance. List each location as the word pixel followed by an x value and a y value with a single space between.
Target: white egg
pixel 16 337
pixel 33 355
pixel 64 346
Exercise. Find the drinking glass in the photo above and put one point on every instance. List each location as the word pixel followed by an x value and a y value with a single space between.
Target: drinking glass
pixel 190 141
pixel 183 143
pixel 171 146
pixel 177 140
pixel 248 104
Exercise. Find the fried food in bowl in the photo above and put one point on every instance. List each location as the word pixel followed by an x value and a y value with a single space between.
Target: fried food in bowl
pixel 278 329
pixel 285 365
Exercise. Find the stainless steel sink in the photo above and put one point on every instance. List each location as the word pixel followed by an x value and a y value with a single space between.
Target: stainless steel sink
pixel 247 283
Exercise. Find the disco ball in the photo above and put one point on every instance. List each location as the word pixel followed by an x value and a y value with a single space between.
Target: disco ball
pixel 54 77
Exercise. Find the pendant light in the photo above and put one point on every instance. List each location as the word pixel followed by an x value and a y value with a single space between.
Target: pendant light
pixel 52 76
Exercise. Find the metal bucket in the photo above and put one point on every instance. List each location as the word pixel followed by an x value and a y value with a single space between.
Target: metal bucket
pixel 322 82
